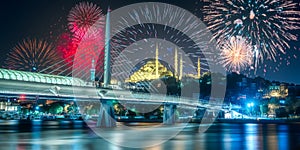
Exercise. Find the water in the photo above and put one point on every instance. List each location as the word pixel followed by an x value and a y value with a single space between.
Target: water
pixel 218 136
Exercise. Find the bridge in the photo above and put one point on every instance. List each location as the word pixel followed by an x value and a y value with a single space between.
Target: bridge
pixel 40 86
pixel 43 86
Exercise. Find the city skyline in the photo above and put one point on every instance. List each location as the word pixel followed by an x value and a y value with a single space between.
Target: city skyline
pixel 159 74
pixel 46 20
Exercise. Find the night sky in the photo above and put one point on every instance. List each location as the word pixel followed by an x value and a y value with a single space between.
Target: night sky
pixel 46 19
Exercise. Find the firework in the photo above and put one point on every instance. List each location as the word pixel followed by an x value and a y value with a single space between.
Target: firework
pixel 86 23
pixel 32 55
pixel 66 47
pixel 139 42
pixel 167 22
pixel 85 51
pixel 171 24
pixel 86 20
pixel 236 54
pixel 265 23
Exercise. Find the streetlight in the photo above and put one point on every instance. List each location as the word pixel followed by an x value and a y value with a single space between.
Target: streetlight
pixel 37 109
pixel 250 105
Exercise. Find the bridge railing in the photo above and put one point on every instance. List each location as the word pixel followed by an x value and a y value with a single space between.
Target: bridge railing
pixel 158 98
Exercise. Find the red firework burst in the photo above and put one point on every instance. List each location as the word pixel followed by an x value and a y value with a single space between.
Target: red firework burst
pixel 66 48
pixel 86 20
pixel 78 56
pixel 86 23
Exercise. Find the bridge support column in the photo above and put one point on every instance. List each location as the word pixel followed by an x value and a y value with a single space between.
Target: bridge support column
pixel 106 118
pixel 169 114
pixel 199 113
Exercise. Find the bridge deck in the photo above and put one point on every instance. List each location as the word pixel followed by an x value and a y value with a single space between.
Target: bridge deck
pixel 12 88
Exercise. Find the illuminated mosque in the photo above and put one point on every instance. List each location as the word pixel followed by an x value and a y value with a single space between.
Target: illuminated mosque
pixel 151 69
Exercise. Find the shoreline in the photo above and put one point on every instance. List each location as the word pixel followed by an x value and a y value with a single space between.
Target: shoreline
pixel 125 121
pixel 259 121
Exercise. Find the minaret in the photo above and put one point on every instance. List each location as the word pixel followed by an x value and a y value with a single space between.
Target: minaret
pixel 107 51
pixel 176 63
pixel 156 62
pixel 92 71
pixel 180 68
pixel 199 68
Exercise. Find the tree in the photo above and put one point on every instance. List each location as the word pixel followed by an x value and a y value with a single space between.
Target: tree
pixel 205 84
pixel 281 112
pixel 56 108
pixel 72 109
pixel 297 111
pixel 263 109
pixel 172 86
pixel 292 104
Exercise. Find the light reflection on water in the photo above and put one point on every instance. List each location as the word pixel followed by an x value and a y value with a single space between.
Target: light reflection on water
pixel 251 132
pixel 219 136
pixel 283 137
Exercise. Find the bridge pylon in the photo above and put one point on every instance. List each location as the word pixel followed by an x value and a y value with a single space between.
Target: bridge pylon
pixel 169 116
pixel 107 57
pixel 106 118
